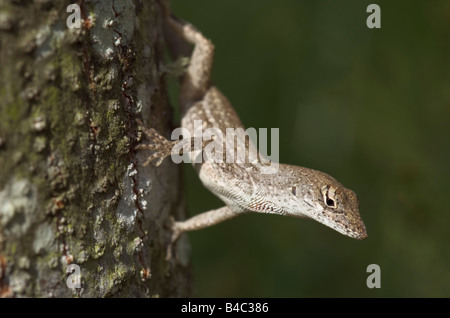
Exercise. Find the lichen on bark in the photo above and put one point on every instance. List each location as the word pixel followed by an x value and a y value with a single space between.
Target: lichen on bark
pixel 71 188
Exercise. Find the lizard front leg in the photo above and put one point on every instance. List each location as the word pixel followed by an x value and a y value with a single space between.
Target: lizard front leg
pixel 200 221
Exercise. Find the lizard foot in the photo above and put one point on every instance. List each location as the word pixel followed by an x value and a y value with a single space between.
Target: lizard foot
pixel 176 68
pixel 174 236
pixel 160 145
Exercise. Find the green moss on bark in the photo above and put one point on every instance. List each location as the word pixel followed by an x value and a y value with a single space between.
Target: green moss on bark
pixel 68 131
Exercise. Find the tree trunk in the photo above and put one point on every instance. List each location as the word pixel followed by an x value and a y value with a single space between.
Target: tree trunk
pixel 74 202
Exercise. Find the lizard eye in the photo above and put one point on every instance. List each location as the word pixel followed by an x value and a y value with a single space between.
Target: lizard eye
pixel 330 203
pixel 294 190
pixel 328 193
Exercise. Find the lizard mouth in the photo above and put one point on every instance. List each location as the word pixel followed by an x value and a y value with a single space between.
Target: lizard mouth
pixel 357 231
pixel 361 236
pixel 353 228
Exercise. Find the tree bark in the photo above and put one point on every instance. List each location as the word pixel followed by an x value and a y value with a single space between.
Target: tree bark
pixel 71 188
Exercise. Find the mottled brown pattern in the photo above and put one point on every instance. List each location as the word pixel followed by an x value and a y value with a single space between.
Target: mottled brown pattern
pixel 292 190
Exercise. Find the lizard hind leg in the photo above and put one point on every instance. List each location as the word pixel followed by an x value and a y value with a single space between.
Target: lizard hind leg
pixel 161 146
pixel 197 78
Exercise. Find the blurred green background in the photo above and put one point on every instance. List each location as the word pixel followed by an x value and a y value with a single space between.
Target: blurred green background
pixel 371 107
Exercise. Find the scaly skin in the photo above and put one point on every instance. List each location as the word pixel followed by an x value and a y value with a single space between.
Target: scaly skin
pixel 292 190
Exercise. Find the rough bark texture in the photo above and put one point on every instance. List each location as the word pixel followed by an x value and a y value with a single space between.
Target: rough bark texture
pixel 71 189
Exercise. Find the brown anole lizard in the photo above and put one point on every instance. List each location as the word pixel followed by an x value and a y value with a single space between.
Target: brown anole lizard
pixel 292 190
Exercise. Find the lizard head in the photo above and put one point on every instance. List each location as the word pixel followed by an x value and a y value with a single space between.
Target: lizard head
pixel 318 196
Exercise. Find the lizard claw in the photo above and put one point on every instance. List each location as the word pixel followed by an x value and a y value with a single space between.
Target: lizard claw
pixel 161 146
pixel 175 234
